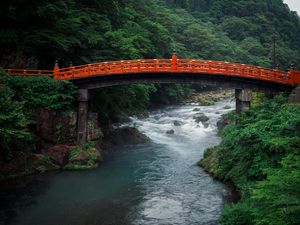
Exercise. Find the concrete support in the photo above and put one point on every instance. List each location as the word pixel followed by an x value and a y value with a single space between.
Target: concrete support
pixel 295 95
pixel 83 103
pixel 243 99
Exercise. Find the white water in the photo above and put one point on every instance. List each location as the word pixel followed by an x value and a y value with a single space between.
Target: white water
pixel 178 192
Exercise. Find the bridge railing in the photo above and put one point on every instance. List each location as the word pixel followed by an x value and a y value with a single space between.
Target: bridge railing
pixel 20 72
pixel 173 65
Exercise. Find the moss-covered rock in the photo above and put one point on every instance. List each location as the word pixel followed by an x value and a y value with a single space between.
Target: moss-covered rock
pixel 83 157
pixel 206 102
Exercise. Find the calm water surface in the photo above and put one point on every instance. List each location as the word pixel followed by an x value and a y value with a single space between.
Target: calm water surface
pixel 156 183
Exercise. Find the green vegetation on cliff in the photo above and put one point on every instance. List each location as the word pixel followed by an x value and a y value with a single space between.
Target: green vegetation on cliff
pixel 260 155
pixel 20 97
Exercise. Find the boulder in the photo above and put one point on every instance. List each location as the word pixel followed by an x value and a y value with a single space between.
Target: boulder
pixel 42 163
pixel 97 154
pixel 223 122
pixel 59 154
pixel 200 117
pixel 170 132
pixel 196 109
pixel 227 107
pixel 82 157
pixel 205 124
pixel 177 123
pixel 126 135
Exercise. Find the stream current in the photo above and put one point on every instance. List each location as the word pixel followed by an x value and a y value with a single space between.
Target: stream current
pixel 156 183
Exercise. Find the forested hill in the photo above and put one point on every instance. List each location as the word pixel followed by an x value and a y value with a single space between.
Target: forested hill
pixel 252 25
pixel 35 33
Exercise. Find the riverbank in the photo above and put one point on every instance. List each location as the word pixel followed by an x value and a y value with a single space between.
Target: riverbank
pixel 69 157
pixel 259 154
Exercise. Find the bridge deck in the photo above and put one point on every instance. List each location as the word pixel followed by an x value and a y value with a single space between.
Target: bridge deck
pixel 174 65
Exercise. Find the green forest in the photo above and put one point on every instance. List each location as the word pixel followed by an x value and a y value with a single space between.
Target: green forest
pixel 34 34
pixel 260 155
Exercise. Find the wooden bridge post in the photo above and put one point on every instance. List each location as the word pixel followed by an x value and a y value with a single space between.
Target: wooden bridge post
pixel 243 99
pixel 83 102
pixel 56 71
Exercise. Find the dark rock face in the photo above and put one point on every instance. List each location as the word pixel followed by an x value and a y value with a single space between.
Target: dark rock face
pixel 56 128
pixel 201 117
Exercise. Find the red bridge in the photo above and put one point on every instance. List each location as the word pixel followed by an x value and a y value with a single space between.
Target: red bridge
pixel 165 67
pixel 241 77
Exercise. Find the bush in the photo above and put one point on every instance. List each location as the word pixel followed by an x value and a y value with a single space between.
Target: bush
pixel 239 214
pixel 13 124
pixel 19 98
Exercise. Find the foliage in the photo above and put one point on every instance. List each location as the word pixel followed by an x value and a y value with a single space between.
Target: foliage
pixel 43 92
pixel 277 199
pixel 238 214
pixel 245 27
pixel 19 99
pixel 260 155
pixel 117 103
pixel 89 163
pixel 13 123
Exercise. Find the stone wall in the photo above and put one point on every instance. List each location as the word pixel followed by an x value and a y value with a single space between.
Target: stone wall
pixel 295 95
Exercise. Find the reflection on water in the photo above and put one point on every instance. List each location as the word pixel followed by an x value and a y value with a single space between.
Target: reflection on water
pixel 153 183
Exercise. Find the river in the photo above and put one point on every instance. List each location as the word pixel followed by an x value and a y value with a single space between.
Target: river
pixel 157 183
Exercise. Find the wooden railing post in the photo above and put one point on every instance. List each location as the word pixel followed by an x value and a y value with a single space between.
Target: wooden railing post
pixel 174 63
pixel 56 71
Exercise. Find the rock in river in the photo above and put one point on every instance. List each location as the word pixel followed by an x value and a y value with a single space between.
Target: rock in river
pixel 201 117
pixel 177 123
pixel 170 132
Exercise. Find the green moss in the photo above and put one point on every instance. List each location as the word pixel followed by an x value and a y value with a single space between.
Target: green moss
pixel 45 160
pixel 206 102
pixel 41 169
pixel 72 166
pixel 74 154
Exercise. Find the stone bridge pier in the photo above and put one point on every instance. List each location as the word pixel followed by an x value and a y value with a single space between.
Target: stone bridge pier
pixel 83 105
pixel 243 99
